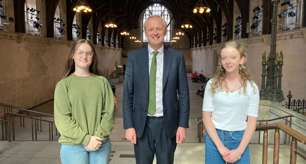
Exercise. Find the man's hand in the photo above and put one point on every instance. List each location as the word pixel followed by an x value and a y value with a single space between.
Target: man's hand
pixel 180 135
pixel 130 135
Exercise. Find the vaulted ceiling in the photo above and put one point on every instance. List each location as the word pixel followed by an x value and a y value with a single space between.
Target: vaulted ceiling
pixel 126 13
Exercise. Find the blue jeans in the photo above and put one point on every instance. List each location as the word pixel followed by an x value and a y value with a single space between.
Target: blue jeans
pixel 231 140
pixel 76 154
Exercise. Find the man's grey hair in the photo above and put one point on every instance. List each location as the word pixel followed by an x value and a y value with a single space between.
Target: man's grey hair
pixel 154 16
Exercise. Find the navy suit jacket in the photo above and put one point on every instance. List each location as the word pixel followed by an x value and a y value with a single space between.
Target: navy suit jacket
pixel 136 91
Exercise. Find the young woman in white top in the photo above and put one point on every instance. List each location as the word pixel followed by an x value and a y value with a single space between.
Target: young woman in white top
pixel 230 108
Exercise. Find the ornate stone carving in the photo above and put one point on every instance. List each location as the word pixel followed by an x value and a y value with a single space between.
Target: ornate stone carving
pixel 271 87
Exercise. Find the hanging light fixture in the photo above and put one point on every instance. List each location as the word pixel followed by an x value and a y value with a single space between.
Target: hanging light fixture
pixel 124 33
pixel 82 6
pixel 201 8
pixel 133 37
pixel 186 26
pixel 179 33
pixel 176 38
pixel 110 25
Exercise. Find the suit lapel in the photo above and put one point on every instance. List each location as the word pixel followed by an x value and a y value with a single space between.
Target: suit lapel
pixel 166 66
pixel 145 68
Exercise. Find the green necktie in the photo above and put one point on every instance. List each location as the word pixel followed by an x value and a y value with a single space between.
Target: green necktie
pixel 152 85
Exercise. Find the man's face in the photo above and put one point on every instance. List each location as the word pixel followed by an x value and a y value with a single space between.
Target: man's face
pixel 155 31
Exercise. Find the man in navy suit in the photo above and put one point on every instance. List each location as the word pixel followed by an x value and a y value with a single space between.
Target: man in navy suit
pixel 155 97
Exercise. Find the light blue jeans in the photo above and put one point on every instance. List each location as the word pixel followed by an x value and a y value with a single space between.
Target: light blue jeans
pixel 230 139
pixel 76 154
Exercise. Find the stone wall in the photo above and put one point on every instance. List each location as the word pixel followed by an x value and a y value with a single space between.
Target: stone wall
pixel 30 67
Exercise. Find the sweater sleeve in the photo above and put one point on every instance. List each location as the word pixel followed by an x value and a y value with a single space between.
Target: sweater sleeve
pixel 65 123
pixel 107 115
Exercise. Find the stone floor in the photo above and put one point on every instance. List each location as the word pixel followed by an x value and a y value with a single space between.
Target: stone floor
pixel 27 152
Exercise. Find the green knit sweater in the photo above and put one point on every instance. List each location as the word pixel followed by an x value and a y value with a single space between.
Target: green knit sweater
pixel 83 107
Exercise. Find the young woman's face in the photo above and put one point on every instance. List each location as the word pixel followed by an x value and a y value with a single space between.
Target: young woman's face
pixel 230 59
pixel 83 56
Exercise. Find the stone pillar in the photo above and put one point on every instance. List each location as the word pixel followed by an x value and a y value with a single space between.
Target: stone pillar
pixel 19 16
pixel 62 7
pixel 78 18
pixel 41 6
pixel 266 29
pixel 9 12
pixel 106 33
pixel 117 40
pixel 304 13
pixel 112 36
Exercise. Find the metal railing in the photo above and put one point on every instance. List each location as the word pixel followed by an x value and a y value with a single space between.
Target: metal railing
pixel 4 129
pixel 9 116
pixel 298 105
pixel 36 126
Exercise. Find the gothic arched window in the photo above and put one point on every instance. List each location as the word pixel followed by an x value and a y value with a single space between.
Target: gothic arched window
pixel 157 9
pixel 32 17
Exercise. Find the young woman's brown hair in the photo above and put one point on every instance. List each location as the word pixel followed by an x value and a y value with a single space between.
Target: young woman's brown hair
pixel 70 68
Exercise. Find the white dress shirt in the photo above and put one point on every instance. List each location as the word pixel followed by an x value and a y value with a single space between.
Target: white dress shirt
pixel 159 79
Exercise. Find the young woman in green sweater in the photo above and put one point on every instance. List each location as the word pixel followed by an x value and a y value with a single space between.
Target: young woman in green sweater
pixel 83 109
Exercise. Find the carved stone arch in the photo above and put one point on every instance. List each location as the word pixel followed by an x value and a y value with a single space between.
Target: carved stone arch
pixel 7 15
pixel 33 15
pixel 69 19
pixel 77 26
pixel 227 8
pixel 218 20
pixel 60 20
pixel 237 20
pixel 255 18
pixel 223 27
pixel 244 8
pixel 99 31
pixel 19 16
pixel 267 16
pixel 90 29
pixel 49 7
pixel 85 18
pixel 106 37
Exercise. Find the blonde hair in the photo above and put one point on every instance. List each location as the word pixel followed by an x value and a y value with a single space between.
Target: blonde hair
pixel 219 76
